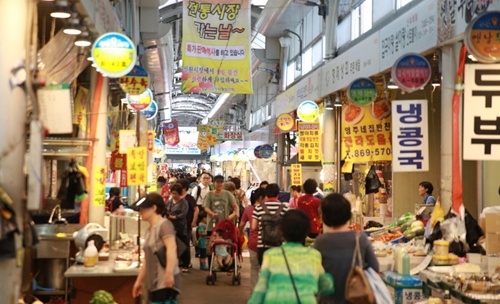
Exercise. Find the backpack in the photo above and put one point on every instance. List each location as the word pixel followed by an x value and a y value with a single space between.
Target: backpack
pixel 198 193
pixel 271 233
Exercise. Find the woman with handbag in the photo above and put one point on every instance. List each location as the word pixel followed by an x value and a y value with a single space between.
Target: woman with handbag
pixel 177 209
pixel 159 270
pixel 292 273
pixel 337 245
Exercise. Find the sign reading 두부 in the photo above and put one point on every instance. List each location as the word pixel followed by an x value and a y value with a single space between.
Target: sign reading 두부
pixel 216 47
pixel 481 137
pixel 410 147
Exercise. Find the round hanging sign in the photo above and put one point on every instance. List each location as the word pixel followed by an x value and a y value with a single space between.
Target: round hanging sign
pixel 114 54
pixel 362 91
pixel 256 152
pixel 285 122
pixel 142 101
pixel 411 72
pixel 308 111
pixel 151 111
pixel 266 151
pixel 481 37
pixel 158 148
pixel 135 82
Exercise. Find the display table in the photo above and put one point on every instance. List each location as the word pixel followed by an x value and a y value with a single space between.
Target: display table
pixel 86 281
pixel 386 263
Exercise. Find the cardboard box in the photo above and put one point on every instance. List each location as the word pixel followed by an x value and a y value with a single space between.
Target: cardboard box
pixel 493 242
pixel 492 222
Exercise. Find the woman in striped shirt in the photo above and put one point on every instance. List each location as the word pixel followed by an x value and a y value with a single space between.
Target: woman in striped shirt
pixel 284 277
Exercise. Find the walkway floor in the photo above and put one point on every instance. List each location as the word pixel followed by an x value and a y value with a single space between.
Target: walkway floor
pixel 195 290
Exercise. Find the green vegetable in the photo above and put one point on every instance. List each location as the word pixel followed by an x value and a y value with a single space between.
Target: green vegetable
pixel 102 297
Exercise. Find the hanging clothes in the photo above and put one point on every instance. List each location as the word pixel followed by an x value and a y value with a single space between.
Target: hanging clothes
pixel 72 186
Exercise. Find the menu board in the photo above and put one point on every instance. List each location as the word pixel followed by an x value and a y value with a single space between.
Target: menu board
pixel 309 142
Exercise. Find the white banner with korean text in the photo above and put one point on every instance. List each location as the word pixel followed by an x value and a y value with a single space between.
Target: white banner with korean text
pixel 410 138
pixel 481 135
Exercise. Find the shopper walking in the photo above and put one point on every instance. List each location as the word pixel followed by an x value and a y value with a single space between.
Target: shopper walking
pixel 311 206
pixel 337 245
pixel 201 190
pixel 258 197
pixel 220 204
pixel 191 217
pixel 240 195
pixel 285 277
pixel 162 279
pixel 176 210
pixel 264 221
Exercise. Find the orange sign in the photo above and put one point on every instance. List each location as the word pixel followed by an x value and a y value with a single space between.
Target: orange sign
pixel 285 122
pixel 296 175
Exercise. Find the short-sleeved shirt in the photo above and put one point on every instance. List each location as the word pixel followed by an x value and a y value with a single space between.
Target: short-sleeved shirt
pixel 310 205
pixel 253 236
pixel 258 212
pixel 114 203
pixel 180 210
pixel 190 215
pixel 429 200
pixel 221 250
pixel 154 240
pixel 202 239
pixel 200 198
pixel 219 203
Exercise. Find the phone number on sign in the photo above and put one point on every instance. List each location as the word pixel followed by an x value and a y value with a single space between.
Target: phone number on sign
pixel 370 152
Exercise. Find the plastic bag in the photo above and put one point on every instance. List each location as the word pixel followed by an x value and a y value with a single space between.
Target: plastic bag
pixel 372 181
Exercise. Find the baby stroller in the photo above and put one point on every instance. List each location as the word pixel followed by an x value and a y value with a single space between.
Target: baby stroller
pixel 232 241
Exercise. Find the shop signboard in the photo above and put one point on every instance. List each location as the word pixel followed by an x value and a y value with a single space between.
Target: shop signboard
pixel 410 136
pixel 127 140
pixel 308 111
pixel 216 47
pixel 366 132
pixel 151 140
pixel 188 139
pixel 296 175
pixel 114 54
pixel 55 108
pixel 99 186
pixel 123 178
pixel 481 115
pixel 309 142
pixel 348 66
pixel 118 160
pixel 141 101
pixel 202 140
pixel 411 72
pixel 413 32
pixel 151 111
pixel 256 151
pixel 285 102
pixel 309 87
pixel 136 81
pixel 230 136
pixel 158 148
pixel 481 37
pixel 362 91
pixel 266 151
pixel 137 166
pixel 454 16
pixel 286 122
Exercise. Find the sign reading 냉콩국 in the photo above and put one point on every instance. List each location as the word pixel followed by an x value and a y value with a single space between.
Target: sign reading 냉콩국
pixel 114 54
pixel 216 47
pixel 410 144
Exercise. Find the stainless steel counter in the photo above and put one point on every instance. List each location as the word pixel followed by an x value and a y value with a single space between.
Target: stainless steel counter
pixel 103 269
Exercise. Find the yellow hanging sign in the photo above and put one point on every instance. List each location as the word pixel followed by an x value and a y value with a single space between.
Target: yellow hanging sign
pixel 137 166
pixel 99 186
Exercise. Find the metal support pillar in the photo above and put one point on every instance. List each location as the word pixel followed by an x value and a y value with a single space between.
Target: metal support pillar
pixel 329 159
pixel 280 152
pixel 331 29
pixel 338 150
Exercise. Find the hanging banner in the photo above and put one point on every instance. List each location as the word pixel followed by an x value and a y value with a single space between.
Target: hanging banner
pixel 80 109
pixel 136 81
pixel 123 178
pixel 137 166
pixel 366 131
pixel 410 136
pixel 158 148
pixel 296 175
pixel 118 160
pixel 171 133
pixel 128 139
pixel 99 187
pixel 481 114
pixel 215 126
pixel 216 47
pixel 151 140
pixel 309 142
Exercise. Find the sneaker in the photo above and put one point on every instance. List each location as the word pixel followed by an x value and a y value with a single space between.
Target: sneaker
pixel 185 270
pixel 203 267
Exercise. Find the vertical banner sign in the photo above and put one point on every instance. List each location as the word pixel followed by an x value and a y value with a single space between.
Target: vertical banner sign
pixel 309 142
pixel 100 186
pixel 137 166
pixel 481 139
pixel 202 143
pixel 123 178
pixel 151 140
pixel 296 175
pixel 216 47
pixel 215 126
pixel 410 136
pixel 80 109
pixel 171 133
pixel 366 131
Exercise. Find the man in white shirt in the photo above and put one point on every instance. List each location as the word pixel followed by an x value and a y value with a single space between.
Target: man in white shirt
pixel 200 192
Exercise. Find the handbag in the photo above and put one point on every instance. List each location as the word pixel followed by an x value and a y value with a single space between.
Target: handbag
pixel 357 288
pixel 372 181
pixel 291 277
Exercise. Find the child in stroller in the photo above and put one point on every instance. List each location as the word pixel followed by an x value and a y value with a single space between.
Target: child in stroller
pixel 225 252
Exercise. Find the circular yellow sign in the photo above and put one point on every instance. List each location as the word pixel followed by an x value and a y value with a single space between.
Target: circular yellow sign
pixel 135 82
pixel 308 111
pixel 114 54
pixel 285 122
